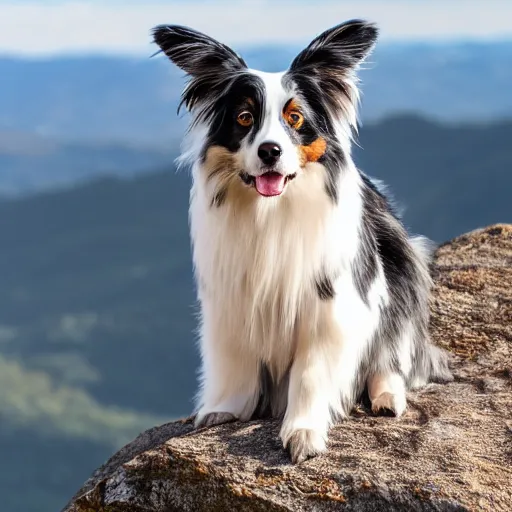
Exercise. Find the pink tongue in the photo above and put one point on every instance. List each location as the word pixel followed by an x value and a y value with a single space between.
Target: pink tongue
pixel 270 184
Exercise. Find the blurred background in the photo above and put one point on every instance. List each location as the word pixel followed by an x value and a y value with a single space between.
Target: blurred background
pixel 96 293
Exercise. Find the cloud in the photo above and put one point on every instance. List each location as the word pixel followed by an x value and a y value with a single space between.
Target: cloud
pixel 41 28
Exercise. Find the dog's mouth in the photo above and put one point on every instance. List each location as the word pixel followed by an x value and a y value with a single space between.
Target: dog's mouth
pixel 269 184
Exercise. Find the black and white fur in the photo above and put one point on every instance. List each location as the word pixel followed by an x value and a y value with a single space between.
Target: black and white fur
pixel 317 292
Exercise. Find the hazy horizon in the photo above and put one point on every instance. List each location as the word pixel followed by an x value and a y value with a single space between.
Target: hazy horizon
pixel 45 28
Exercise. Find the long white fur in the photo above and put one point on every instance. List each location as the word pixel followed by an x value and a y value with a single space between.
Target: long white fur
pixel 256 269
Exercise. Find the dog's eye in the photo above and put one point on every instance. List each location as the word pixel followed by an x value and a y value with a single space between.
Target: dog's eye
pixel 245 119
pixel 295 119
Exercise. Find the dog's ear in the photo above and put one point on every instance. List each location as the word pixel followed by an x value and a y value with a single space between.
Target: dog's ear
pixel 340 49
pixel 195 53
pixel 327 67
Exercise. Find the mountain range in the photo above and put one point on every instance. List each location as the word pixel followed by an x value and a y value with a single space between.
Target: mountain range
pixel 116 99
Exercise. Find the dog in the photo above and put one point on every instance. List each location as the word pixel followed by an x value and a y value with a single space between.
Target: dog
pixel 311 291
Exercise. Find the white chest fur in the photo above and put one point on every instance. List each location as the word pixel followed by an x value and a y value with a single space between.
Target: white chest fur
pixel 257 265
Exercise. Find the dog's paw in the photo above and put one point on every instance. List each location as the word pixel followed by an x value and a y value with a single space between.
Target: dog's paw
pixel 213 418
pixel 388 404
pixel 303 444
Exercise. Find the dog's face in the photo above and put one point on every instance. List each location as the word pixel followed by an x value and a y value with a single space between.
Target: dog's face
pixel 264 129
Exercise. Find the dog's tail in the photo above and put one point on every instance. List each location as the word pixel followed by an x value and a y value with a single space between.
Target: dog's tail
pixel 438 367
pixel 433 360
pixel 431 364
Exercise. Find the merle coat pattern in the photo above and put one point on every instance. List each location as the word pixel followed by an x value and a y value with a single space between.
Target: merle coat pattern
pixel 310 288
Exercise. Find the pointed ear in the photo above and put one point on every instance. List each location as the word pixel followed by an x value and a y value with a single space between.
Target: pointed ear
pixel 340 49
pixel 196 53
pixel 327 67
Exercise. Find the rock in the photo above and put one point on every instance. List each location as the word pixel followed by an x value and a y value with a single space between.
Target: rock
pixel 452 450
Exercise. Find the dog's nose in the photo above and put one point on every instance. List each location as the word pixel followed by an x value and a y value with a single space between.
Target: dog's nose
pixel 269 152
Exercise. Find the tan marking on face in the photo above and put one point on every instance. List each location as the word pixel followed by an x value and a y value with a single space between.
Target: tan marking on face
pixel 219 163
pixel 313 152
pixel 222 168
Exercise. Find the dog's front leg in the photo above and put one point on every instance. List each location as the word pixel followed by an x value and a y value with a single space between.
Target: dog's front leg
pixel 307 418
pixel 313 391
pixel 229 377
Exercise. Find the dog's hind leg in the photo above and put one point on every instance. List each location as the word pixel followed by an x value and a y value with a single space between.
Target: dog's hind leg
pixel 392 365
pixel 387 393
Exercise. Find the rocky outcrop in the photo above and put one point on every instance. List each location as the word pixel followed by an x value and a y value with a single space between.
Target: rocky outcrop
pixel 452 450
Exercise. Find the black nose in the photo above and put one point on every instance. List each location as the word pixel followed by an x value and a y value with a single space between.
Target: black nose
pixel 269 152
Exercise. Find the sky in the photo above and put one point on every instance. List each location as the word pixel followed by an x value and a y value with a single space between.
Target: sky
pixel 41 28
